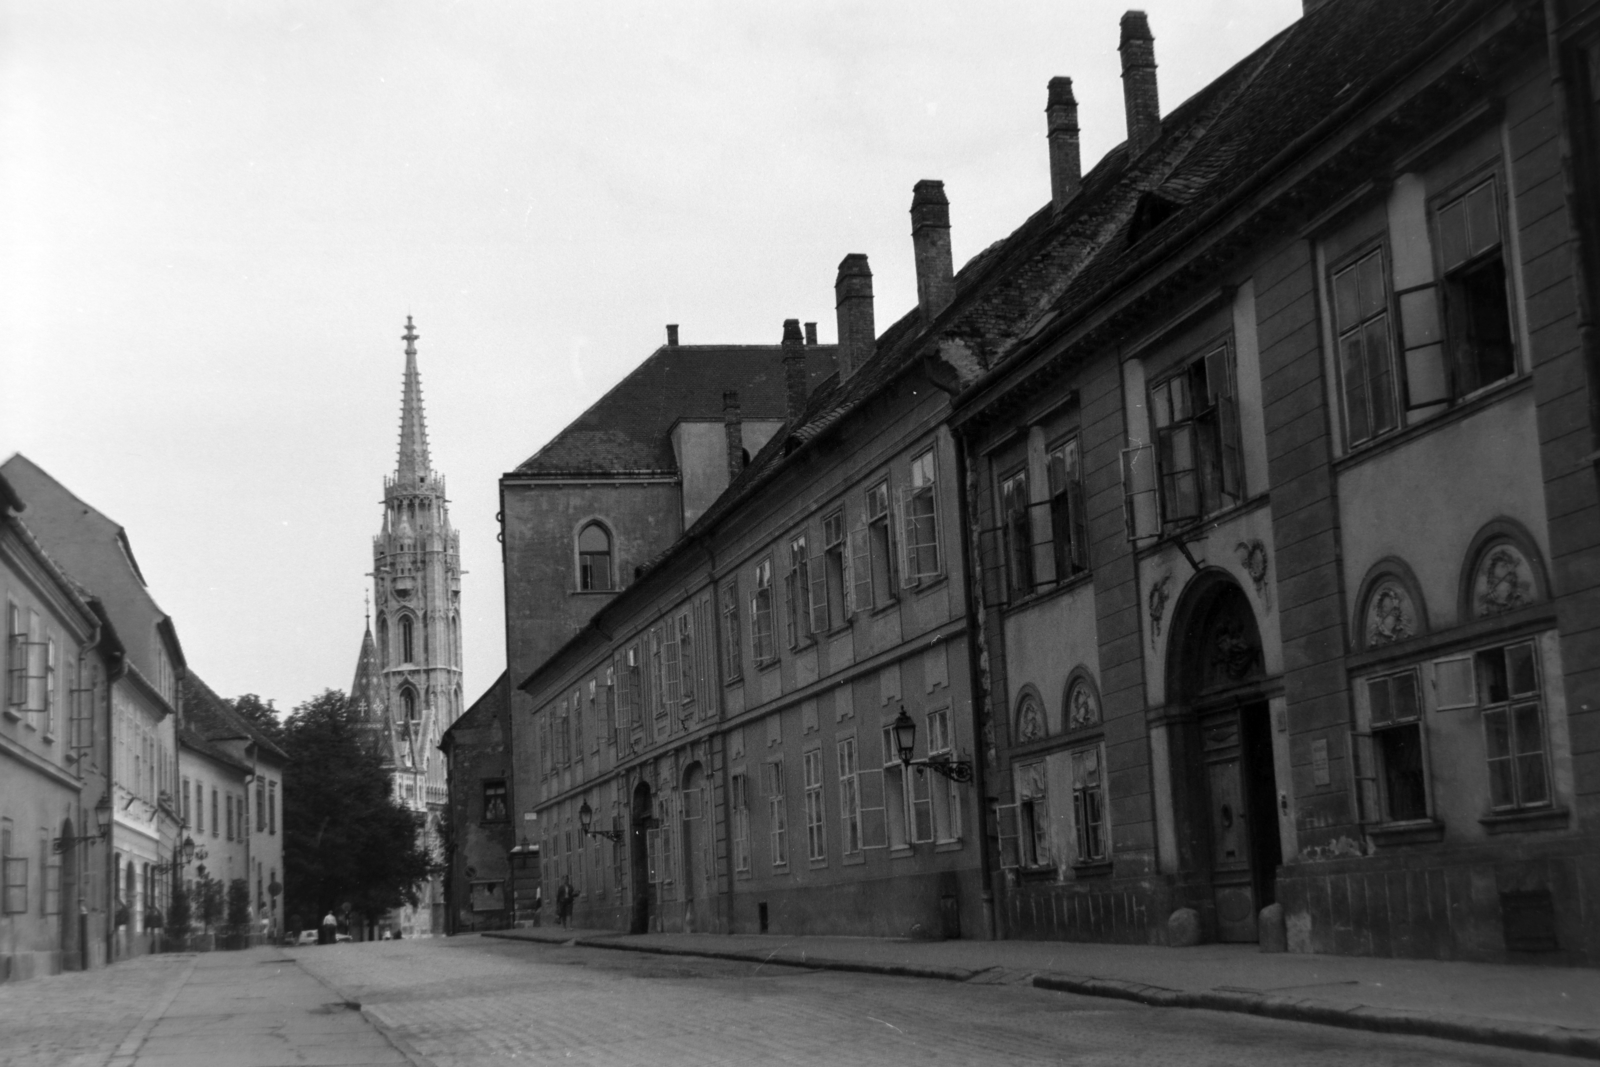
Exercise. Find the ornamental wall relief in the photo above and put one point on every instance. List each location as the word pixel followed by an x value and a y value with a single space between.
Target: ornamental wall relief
pixel 1160 590
pixel 1253 558
pixel 1391 616
pixel 1503 580
pixel 1083 710
pixel 1030 720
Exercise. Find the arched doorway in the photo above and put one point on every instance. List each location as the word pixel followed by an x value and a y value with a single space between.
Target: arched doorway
pixel 697 863
pixel 643 821
pixel 1215 669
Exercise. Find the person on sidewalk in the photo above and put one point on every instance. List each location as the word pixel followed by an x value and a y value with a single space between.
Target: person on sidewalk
pixel 329 931
pixel 564 898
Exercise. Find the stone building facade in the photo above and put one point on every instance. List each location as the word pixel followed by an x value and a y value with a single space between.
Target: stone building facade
pixel 480 891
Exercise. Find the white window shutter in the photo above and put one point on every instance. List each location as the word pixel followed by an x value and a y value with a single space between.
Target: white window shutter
pixel 1364 772
pixel 1427 378
pixel 1005 817
pixel 820 608
pixel 874 822
pixel 1140 509
pixel 902 535
pixel 858 561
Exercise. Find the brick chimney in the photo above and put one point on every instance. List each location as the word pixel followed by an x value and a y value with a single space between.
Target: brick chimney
pixel 1061 118
pixel 811 333
pixel 794 371
pixel 1139 95
pixel 852 295
pixel 733 429
pixel 930 243
pixel 672 334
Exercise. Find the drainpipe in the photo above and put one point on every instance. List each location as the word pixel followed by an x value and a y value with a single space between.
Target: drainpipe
pixel 1577 211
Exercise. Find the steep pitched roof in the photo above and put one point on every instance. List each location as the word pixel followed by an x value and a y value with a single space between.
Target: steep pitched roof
pixel 209 717
pixel 413 464
pixel 628 429
pixel 485 708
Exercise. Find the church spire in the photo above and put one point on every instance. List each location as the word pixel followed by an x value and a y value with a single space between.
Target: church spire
pixel 413 466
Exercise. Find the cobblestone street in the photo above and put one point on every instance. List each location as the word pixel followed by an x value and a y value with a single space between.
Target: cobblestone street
pixel 476 1001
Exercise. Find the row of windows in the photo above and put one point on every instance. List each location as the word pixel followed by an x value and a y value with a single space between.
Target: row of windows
pixel 411 645
pixel 32 675
pixel 141 761
pixel 229 811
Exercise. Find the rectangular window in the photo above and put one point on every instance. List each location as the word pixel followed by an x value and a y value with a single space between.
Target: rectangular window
pixel 1476 300
pixel 946 794
pixel 835 555
pixel 919 805
pixel 672 671
pixel 37 667
pixel 1033 816
pixel 739 803
pixel 761 637
pixel 797 592
pixel 16 659
pixel 216 828
pixel 1197 438
pixel 816 836
pixel 50 686
pixel 185 808
pixel 658 681
pixel 1395 711
pixel 633 676
pixel 1089 806
pixel 16 888
pixel 921 521
pixel 1017 533
pixel 777 815
pixel 261 805
pixel 494 800
pixel 272 805
pixel 1513 727
pixel 880 547
pixel 849 797
pixel 733 660
pixel 1069 535
pixel 686 656
pixel 1365 347
pixel 228 800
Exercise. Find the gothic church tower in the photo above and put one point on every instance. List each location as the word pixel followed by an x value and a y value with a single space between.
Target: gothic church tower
pixel 408 678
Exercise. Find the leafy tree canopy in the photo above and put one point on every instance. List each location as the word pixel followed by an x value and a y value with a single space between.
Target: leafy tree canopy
pixel 347 840
pixel 261 714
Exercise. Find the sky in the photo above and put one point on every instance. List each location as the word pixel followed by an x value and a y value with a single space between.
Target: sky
pixel 215 217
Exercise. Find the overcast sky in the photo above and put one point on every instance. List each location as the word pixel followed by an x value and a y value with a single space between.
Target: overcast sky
pixel 214 218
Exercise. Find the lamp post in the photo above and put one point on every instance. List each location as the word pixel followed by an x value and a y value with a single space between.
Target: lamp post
pixel 586 816
pixel 905 743
pixel 102 822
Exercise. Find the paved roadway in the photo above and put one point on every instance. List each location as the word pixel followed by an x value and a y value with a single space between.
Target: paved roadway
pixel 479 1001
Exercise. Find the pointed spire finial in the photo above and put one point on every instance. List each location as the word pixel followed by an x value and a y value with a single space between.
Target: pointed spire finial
pixel 413 467
pixel 366 606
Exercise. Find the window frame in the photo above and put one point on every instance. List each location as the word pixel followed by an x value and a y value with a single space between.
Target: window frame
pixel 797 592
pixel 1221 415
pixel 585 576
pixel 880 543
pixel 1387 311
pixel 733 657
pixel 815 809
pixel 777 814
pixel 922 560
pixel 1445 275
pixel 763 639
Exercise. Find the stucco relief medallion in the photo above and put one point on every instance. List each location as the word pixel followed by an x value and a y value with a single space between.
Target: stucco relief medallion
pixel 1082 708
pixel 1235 654
pixel 1504 581
pixel 1159 590
pixel 1391 616
pixel 1030 721
pixel 991 755
pixel 1253 558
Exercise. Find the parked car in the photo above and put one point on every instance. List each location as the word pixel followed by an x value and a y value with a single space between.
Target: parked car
pixel 340 939
pixel 307 937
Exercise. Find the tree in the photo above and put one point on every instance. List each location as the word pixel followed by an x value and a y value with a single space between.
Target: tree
pixel 260 714
pixel 208 898
pixel 238 908
pixel 346 839
pixel 178 913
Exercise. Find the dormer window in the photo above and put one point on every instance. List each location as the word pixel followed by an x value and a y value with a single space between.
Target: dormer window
pixel 594 559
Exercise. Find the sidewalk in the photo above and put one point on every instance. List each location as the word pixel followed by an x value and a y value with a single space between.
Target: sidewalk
pixel 1540 1009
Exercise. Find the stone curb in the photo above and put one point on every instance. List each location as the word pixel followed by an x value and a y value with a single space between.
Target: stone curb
pixel 1530 1037
pixel 128 1048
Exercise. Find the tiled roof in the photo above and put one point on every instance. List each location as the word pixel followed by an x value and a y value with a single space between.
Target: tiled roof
pixel 210 717
pixel 194 740
pixel 627 429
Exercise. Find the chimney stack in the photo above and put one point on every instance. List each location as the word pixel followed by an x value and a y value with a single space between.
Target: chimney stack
pixel 1061 117
pixel 1139 95
pixel 811 333
pixel 930 243
pixel 852 293
pixel 794 371
pixel 733 429
pixel 672 334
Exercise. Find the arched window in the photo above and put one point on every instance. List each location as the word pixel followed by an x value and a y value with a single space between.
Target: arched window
pixel 408 703
pixel 384 651
pixel 406 639
pixel 594 558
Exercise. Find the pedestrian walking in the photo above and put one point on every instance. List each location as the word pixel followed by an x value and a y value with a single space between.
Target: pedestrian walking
pixel 564 898
pixel 329 931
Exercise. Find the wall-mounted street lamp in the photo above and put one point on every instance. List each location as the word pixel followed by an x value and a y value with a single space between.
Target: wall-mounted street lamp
pixel 185 855
pixel 102 821
pixel 586 816
pixel 905 743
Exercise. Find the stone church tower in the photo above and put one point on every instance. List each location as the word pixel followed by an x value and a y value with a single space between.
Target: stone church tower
pixel 408 677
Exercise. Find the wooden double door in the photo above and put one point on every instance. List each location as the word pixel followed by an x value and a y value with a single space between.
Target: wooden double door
pixel 1242 803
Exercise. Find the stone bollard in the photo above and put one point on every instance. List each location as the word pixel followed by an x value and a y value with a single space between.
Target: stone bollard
pixel 1271 930
pixel 1183 928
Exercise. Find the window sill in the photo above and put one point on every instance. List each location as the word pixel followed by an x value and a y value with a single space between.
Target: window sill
pixel 12 716
pixel 1040 596
pixel 1410 832
pixel 884 609
pixel 593 592
pixel 1516 822
pixel 901 852
pixel 1097 869
pixel 928 585
pixel 780 868
pixel 817 865
pixel 1036 874
pixel 49 739
pixel 1483 398
pixel 737 679
pixel 852 859
pixel 764 666
pixel 955 844
pixel 1194 529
